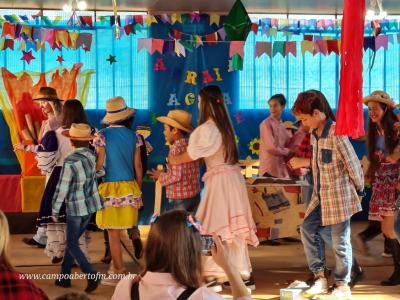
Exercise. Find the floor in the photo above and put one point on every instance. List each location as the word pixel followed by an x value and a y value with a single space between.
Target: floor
pixel 274 267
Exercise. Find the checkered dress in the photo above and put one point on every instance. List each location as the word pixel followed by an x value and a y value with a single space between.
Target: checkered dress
pixel 338 177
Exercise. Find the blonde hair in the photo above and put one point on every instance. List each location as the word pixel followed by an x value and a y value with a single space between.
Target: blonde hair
pixel 5 264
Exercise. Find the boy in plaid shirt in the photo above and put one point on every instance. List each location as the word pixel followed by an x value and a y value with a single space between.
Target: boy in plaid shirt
pixel 182 181
pixel 77 186
pixel 338 188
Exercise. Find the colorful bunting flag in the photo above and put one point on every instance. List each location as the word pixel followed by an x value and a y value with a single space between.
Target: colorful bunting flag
pixel 278 47
pixel 263 47
pixel 179 49
pixel 236 47
pixel 381 41
pixel 307 46
pixel 290 47
pixel 214 19
pixel 144 44
pixel 157 45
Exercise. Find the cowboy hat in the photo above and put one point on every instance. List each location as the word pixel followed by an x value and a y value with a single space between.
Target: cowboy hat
pixel 379 96
pixel 290 125
pixel 79 132
pixel 46 93
pixel 179 119
pixel 117 111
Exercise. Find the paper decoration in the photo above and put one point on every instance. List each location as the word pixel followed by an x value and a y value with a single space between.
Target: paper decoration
pixel 307 46
pixel 222 33
pixel 176 18
pixel 254 28
pixel 236 63
pixel 290 47
pixel 211 38
pixel 153 118
pixel 27 56
pixel 278 47
pixel 157 45
pixel 236 47
pixel 117 24
pixel 381 41
pixel 237 24
pixel 322 46
pixel 159 65
pixel 333 46
pixel 179 49
pixel 144 44
pixel 214 19
pixel 254 146
pixel 8 30
pixel 73 36
pixel 350 114
pixel 263 47
pixel 150 20
pixel 8 44
pixel 112 59
pixel 60 59
pixel 239 117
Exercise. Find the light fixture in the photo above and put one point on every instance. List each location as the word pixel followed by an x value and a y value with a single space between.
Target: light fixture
pixel 73 5
pixel 376 6
pixel 81 5
pixel 67 8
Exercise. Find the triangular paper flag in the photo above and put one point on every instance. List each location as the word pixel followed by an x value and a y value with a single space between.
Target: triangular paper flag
pixel 290 47
pixel 157 45
pixel 236 47
pixel 144 44
pixel 73 37
pixel 237 24
pixel 307 46
pixel 263 47
pixel 214 19
pixel 176 18
pixel 278 47
pixel 179 49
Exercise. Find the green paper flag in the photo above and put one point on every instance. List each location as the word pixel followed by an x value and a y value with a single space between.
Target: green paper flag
pixel 187 44
pixel 153 118
pixel 237 62
pixel 237 24
pixel 278 47
pixel 185 18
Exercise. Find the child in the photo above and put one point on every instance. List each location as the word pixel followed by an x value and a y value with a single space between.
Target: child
pixel 51 107
pixel 338 187
pixel 225 209
pixel 173 269
pixel 78 188
pixel 384 171
pixel 276 142
pixel 182 181
pixel 119 153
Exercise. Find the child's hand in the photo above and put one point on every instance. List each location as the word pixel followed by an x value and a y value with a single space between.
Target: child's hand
pixel 220 253
pixel 295 163
pixel 154 174
pixel 19 147
pixel 55 219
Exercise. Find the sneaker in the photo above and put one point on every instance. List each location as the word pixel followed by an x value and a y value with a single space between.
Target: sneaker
pixel 249 283
pixel 65 283
pixel 356 275
pixel 297 284
pixel 32 242
pixel 386 254
pixel 340 292
pixel 311 279
pixel 214 286
pixel 56 260
pixel 92 284
pixel 320 286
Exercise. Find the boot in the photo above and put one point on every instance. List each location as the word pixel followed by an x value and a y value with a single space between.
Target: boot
pixel 357 273
pixel 395 278
pixel 107 256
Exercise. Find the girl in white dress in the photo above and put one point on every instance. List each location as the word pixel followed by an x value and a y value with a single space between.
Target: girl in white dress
pixel 224 209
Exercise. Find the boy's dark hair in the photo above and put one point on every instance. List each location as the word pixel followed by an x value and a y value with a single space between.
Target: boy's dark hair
pixel 73 112
pixel 280 98
pixel 80 144
pixel 309 100
pixel 184 133
pixel 126 123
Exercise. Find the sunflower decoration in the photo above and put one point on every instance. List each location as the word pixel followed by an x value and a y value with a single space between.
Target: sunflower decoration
pixel 254 146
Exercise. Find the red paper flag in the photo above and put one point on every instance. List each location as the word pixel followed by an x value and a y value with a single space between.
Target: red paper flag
pixel 211 38
pixel 139 19
pixel 323 46
pixel 128 29
pixel 157 45
pixel 308 37
pixel 88 20
pixel 8 43
pixel 290 47
pixel 333 46
pixel 350 115
pixel 8 30
pixel 381 41
pixel 177 34
pixel 254 28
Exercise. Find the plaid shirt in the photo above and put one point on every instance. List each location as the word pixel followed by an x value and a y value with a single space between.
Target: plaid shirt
pixel 304 149
pixel 77 185
pixel 181 181
pixel 13 286
pixel 338 177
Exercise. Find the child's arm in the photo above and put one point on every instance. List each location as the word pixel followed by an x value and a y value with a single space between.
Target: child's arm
pixel 173 175
pixel 62 188
pixel 180 159
pixel 351 161
pixel 101 155
pixel 138 167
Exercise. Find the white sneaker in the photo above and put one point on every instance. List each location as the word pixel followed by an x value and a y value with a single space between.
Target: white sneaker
pixel 297 284
pixel 341 292
pixel 385 254
pixel 320 286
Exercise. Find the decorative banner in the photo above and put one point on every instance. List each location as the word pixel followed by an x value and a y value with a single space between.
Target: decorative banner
pixel 381 41
pixel 290 47
pixel 144 44
pixel 179 49
pixel 278 47
pixel 307 46
pixel 157 45
pixel 214 19
pixel 159 65
pixel 27 56
pixel 263 47
pixel 236 47
pixel 322 46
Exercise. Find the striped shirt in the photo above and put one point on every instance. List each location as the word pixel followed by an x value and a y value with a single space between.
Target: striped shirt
pixel 77 185
pixel 338 176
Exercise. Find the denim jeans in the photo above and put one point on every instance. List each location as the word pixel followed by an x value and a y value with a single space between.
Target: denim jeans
pixel 76 226
pixel 190 204
pixel 337 236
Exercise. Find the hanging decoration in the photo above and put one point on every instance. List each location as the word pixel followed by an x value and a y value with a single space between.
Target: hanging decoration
pixel 27 56
pixel 60 59
pixel 350 114
pixel 112 59
pixel 159 65
pixel 116 24
pixel 237 24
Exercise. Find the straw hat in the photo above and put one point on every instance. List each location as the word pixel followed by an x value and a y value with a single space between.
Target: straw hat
pixel 379 96
pixel 290 125
pixel 46 93
pixel 117 111
pixel 179 119
pixel 79 132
